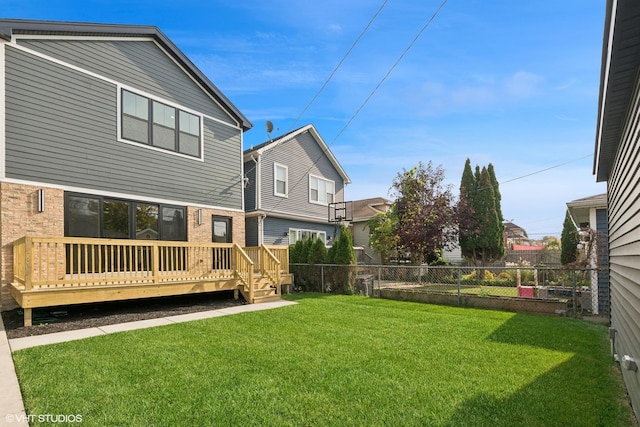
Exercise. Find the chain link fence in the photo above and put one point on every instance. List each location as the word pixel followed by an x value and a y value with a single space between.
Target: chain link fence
pixel 572 292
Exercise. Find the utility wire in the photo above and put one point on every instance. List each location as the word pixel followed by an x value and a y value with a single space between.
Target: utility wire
pixel 326 82
pixel 375 89
pixel 324 85
pixel 546 169
pixel 538 171
pixel 366 101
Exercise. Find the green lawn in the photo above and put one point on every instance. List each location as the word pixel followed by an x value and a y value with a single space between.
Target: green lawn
pixel 335 360
pixel 500 291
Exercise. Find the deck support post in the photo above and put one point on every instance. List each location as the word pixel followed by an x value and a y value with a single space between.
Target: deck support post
pixel 235 294
pixel 27 316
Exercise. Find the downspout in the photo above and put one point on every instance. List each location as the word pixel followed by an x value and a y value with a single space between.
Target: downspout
pixel 258 183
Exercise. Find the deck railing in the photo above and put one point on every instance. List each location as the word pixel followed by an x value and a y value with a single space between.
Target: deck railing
pixel 270 260
pixel 57 262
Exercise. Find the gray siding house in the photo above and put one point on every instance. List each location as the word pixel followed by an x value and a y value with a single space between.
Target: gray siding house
pixel 111 131
pixel 617 161
pixel 363 211
pixel 290 183
pixel 590 216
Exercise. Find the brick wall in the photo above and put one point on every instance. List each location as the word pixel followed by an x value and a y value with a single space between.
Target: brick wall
pixel 204 232
pixel 19 216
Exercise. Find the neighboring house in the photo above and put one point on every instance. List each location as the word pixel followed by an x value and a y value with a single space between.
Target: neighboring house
pixel 590 216
pixel 618 163
pixel 515 234
pixel 363 211
pixel 111 131
pixel 290 183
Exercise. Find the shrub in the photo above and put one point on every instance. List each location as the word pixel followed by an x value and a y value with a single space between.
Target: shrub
pixel 488 275
pixel 342 253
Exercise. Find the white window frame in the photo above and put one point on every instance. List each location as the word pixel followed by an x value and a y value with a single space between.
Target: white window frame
pixel 178 108
pixel 319 179
pixel 296 234
pixel 276 166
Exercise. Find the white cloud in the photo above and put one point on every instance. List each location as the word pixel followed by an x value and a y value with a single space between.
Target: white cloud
pixel 523 84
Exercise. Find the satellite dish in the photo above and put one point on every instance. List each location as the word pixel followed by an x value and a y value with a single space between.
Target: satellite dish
pixel 269 126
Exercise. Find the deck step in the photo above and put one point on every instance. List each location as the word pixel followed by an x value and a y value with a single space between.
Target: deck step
pixel 266 298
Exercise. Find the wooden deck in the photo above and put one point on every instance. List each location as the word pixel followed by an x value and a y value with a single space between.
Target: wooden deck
pixel 53 271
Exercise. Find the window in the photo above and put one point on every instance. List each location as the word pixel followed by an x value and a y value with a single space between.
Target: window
pixel 160 125
pixel 95 216
pixel 321 190
pixel 281 180
pixel 82 216
pixel 172 225
pixel 115 219
pixel 299 234
pixel 147 222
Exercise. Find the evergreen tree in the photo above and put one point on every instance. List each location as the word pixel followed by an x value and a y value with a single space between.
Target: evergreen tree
pixel 568 241
pixel 481 230
pixel 343 254
pixel 317 254
pixel 496 189
pixel 467 223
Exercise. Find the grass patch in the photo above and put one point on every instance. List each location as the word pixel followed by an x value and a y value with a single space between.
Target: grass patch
pixel 335 360
pixel 498 291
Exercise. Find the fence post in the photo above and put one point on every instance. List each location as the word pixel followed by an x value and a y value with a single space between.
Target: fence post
pixel 459 283
pixel 322 278
pixel 575 312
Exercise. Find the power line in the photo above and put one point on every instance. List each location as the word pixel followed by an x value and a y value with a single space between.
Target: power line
pixel 366 101
pixel 375 89
pixel 546 169
pixel 324 85
pixel 538 171
pixel 326 82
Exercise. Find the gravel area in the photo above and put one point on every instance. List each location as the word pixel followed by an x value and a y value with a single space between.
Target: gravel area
pixel 67 318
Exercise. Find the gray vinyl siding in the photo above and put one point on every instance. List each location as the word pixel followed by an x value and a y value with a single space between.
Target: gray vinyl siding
pixel 250 189
pixel 302 156
pixel 623 188
pixel 603 261
pixel 61 128
pixel 251 231
pixel 139 64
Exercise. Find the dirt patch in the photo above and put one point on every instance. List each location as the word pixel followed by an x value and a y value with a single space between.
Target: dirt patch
pixel 67 318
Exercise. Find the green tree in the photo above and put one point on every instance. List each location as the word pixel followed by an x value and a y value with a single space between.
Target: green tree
pixel 468 224
pixel 568 241
pixel 343 254
pixel 382 237
pixel 316 252
pixel 496 190
pixel 551 242
pixel 480 224
pixel 425 212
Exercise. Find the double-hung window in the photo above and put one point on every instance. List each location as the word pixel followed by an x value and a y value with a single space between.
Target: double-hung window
pixel 157 124
pixel 321 190
pixel 280 180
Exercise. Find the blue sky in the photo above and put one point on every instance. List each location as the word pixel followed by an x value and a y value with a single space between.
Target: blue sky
pixel 512 83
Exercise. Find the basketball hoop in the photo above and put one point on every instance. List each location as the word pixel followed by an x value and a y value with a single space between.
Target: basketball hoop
pixel 340 212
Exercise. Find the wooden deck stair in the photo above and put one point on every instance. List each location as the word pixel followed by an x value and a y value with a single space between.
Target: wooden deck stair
pixel 263 289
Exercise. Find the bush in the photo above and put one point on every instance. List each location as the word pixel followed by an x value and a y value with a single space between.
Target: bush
pixel 342 253
pixel 487 275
